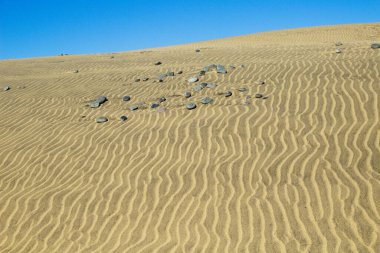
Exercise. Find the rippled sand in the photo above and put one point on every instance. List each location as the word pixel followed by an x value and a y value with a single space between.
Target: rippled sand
pixel 297 172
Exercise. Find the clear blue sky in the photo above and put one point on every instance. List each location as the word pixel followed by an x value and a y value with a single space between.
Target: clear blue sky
pixel 30 28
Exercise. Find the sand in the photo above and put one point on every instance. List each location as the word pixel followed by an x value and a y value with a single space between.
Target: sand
pixel 296 172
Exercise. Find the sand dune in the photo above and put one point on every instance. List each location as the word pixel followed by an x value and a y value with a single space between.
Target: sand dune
pixel 296 172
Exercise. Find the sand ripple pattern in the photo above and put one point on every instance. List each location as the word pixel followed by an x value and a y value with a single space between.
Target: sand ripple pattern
pixel 298 172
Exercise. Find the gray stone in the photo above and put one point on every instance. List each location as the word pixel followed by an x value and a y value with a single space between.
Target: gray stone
pixel 247 100
pixel 133 107
pixel 101 119
pixel 198 88
pixel 242 89
pixel 101 99
pixel 126 98
pixel 228 94
pixel 193 79
pixel 232 67
pixel 123 118
pixel 221 69
pixel 211 85
pixel 338 44
pixel 338 50
pixel 145 79
pixel 170 74
pixel 157 63
pixel 187 94
pixel 375 46
pixel 162 99
pixel 76 71
pixel 154 106
pixel 209 67
pixel 94 104
pixel 258 95
pixel 6 88
pixel 206 100
pixel 191 106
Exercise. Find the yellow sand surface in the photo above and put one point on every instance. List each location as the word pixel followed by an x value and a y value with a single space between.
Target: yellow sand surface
pixel 298 171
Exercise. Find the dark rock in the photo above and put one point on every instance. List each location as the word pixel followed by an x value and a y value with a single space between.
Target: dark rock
pixel 262 82
pixel 206 100
pixel 191 106
pixel 154 106
pixel 123 118
pixel 133 107
pixel 201 73
pixel 76 71
pixel 101 119
pixel 228 94
pixel 187 94
pixel 197 50
pixel 157 63
pixel 137 80
pixel 375 46
pixel 193 79
pixel 221 69
pixel 179 72
pixel 162 99
pixel 126 98
pixel 258 95
pixel 145 79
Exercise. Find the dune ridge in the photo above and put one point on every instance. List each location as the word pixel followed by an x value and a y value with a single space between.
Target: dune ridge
pixel 297 172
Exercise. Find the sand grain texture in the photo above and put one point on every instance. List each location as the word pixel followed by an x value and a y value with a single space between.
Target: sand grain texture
pixel 297 172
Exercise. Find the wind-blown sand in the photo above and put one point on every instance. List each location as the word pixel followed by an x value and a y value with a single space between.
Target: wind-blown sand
pixel 297 172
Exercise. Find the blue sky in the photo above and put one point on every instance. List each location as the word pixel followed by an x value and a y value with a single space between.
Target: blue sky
pixel 50 27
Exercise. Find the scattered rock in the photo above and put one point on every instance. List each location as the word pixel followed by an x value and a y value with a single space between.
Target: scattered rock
pixel 243 66
pixel 154 106
pixel 375 45
pixel 179 72
pixel 76 71
pixel 258 95
pixel 145 79
pixel 126 98
pixel 6 88
pixel 197 50
pixel 198 88
pixel 206 100
pixel 242 89
pixel 209 67
pixel 123 118
pixel 137 80
pixel 228 94
pixel 201 73
pixel 101 119
pixel 191 106
pixel 338 44
pixel 338 50
pixel 232 67
pixel 262 82
pixel 99 101
pixel 265 97
pixel 211 85
pixel 221 69
pixel 162 99
pixel 247 100
pixel 157 63
pixel 170 74
pixel 187 94
pixel 133 107
pixel 193 79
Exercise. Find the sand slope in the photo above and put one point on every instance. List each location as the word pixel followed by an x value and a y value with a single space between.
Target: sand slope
pixel 297 172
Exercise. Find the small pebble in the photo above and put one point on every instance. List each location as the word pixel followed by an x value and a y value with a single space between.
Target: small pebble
pixel 258 95
pixel 338 44
pixel 242 89
pixel 133 107
pixel 94 104
pixel 191 106
pixel 197 50
pixel 179 72
pixel 206 100
pixel 221 69
pixel 193 79
pixel 6 88
pixel 228 94
pixel 137 80
pixel 101 119
pixel 123 118
pixel 211 85
pixel 187 94
pixel 157 63
pixel 76 71
pixel 198 88
pixel 375 46
pixel 338 50
pixel 154 106
pixel 162 99
pixel 145 79
pixel 126 98
pixel 201 73
pixel 170 74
